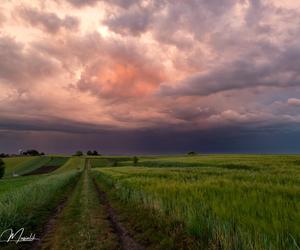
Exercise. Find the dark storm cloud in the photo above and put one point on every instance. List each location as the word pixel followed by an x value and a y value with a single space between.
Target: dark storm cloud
pixel 226 73
pixel 21 67
pixel 163 141
pixel 49 124
pixel 190 113
pixel 50 22
pixel 281 70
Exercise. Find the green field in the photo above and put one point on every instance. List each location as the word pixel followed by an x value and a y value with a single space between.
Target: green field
pixel 13 164
pixel 16 166
pixel 161 202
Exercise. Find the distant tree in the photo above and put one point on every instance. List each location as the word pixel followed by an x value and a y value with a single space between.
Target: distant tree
pixel 135 160
pixel 2 168
pixel 31 152
pixel 95 152
pixel 115 163
pixel 78 153
pixel 2 155
pixel 42 153
pixel 191 153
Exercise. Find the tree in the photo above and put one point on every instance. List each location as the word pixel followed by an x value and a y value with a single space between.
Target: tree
pixel 191 153
pixel 2 155
pixel 95 152
pixel 78 153
pixel 135 160
pixel 31 152
pixel 2 168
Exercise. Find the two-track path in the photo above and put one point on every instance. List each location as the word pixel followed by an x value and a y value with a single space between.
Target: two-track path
pixel 86 220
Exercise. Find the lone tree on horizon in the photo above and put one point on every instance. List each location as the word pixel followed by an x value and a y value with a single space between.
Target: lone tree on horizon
pixel 2 168
pixel 135 160
pixel 191 153
pixel 78 153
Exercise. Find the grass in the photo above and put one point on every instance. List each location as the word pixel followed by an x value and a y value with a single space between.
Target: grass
pixel 12 164
pixel 150 229
pixel 226 202
pixel 50 166
pixel 109 161
pixel 23 165
pixel 9 184
pixel 83 223
pixel 181 202
pixel 29 207
pixel 57 161
pixel 73 163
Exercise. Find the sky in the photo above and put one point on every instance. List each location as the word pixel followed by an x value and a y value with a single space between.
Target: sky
pixel 150 76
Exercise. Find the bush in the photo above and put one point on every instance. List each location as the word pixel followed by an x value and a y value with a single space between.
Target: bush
pixel 78 153
pixel 191 153
pixel 2 168
pixel 135 160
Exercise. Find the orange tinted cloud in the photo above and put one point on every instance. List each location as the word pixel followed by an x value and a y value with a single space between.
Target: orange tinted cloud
pixel 144 64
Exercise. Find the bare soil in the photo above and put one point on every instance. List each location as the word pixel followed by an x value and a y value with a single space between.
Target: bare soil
pixel 125 240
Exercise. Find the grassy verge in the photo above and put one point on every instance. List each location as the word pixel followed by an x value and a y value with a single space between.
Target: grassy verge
pixel 30 206
pixel 82 224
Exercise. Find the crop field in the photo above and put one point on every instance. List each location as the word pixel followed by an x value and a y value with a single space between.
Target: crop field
pixel 157 202
pixel 16 166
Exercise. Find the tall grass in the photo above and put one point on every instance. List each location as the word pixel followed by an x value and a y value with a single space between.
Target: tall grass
pixel 24 207
pixel 225 208
pixel 9 184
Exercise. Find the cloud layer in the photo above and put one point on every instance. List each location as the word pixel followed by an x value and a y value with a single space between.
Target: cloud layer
pixel 76 66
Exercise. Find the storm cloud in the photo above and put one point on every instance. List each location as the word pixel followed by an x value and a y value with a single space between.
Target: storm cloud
pixel 50 22
pixel 140 70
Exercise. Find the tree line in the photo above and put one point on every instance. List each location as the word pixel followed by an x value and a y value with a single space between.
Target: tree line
pixel 89 152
